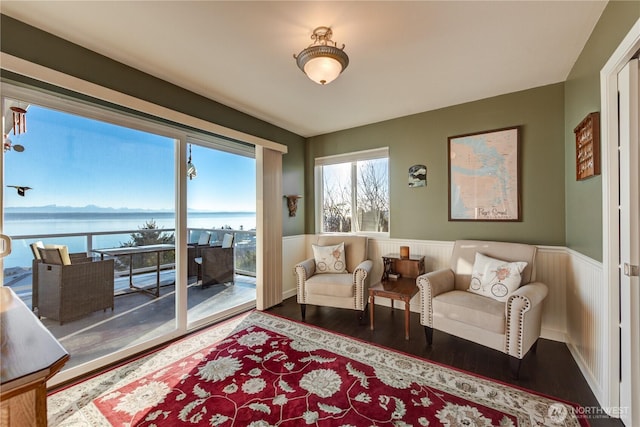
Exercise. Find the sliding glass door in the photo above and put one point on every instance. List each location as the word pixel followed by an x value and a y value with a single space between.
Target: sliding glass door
pixel 97 205
pixel 221 223
pixel 96 191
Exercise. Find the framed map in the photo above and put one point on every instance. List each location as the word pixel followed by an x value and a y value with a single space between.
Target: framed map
pixel 484 176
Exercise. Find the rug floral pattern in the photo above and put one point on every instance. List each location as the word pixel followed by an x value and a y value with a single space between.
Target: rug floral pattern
pixel 270 371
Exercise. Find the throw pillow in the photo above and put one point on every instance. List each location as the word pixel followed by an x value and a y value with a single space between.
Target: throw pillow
pixel 495 278
pixel 329 259
pixel 64 253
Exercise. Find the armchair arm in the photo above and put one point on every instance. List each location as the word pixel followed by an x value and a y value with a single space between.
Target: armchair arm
pixel 303 271
pixel 362 271
pixel 432 284
pixel 534 293
pixel 523 312
pixel 78 257
pixel 361 283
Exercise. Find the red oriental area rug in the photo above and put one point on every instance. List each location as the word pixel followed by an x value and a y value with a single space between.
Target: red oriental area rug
pixel 263 370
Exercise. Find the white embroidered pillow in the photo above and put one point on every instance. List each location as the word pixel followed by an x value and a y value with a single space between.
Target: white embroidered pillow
pixel 329 259
pixel 495 278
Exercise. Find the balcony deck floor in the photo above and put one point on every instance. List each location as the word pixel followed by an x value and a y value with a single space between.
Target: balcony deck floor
pixel 138 317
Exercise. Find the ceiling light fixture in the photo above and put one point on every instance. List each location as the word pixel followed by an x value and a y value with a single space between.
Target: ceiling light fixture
pixel 322 61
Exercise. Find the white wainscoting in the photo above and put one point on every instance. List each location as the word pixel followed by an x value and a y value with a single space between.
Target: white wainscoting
pixel 550 269
pixel 586 319
pixel 574 311
pixel 294 250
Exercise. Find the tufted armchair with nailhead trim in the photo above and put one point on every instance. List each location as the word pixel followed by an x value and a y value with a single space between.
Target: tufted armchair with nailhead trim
pixel 511 326
pixel 349 289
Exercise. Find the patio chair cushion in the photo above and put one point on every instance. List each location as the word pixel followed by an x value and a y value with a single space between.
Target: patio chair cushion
pixel 34 248
pixel 227 240
pixel 55 254
pixel 204 238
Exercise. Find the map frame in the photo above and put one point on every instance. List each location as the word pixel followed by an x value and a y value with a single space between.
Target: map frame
pixel 493 160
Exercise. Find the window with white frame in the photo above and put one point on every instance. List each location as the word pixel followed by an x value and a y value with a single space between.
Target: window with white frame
pixel 353 192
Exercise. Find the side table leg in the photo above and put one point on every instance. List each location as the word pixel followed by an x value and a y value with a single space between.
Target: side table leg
pixel 407 313
pixel 372 308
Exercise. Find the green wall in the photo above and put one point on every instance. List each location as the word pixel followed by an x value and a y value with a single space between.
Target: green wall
pixel 422 213
pixel 32 44
pixel 293 183
pixel 554 214
pixel 582 96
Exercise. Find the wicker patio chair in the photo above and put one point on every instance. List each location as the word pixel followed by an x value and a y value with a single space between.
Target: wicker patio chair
pixel 69 290
pixel 194 250
pixel 74 259
pixel 218 263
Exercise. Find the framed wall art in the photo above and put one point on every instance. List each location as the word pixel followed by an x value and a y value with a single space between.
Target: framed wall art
pixel 484 176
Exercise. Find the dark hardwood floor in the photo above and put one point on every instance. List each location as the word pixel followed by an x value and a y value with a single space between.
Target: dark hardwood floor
pixel 550 371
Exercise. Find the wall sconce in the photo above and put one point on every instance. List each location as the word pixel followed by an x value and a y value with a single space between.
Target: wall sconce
pixel 292 203
pixel 322 61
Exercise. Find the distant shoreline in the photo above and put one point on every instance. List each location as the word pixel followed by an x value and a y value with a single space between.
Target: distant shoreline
pixel 10 215
pixel 105 229
pixel 44 210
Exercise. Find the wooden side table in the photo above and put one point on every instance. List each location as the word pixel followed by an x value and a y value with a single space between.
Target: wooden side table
pixel 402 289
pixel 410 267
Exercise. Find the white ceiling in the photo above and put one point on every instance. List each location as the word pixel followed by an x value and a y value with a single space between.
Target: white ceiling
pixel 405 57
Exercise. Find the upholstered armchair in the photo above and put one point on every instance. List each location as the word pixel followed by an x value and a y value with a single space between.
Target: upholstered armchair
pixel 491 299
pixel 335 277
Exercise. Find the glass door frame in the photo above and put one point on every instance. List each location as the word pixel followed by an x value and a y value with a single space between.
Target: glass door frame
pixel 228 146
pixel 181 137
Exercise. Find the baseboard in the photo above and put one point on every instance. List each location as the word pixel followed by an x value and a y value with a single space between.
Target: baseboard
pixel 554 335
pixel 289 293
pixel 588 376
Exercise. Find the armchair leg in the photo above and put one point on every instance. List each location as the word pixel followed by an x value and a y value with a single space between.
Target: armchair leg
pixel 514 367
pixel 534 347
pixel 428 333
pixel 303 310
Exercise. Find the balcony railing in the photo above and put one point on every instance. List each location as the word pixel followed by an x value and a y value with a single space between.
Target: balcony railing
pixel 20 259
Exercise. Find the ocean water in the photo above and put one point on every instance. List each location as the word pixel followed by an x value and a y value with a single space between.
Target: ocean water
pixel 44 224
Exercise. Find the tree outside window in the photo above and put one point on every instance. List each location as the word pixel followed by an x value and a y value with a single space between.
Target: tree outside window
pixel 355 196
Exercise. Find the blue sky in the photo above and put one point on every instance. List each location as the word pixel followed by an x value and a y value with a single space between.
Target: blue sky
pixel 74 161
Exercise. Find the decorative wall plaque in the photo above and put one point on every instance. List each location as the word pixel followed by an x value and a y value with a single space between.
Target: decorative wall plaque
pixel 588 146
pixel 417 176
